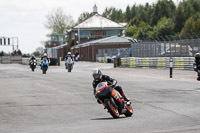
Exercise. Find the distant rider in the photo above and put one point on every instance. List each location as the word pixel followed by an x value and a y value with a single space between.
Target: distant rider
pixel 197 64
pixel 44 57
pixel 32 59
pixel 99 77
pixel 69 55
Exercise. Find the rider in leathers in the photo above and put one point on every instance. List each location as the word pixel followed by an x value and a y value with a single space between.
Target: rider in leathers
pixel 99 77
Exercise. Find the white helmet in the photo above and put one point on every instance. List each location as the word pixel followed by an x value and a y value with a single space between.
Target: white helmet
pixel 45 55
pixel 69 53
pixel 97 74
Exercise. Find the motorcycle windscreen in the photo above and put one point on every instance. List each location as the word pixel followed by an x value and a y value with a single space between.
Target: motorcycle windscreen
pixel 102 90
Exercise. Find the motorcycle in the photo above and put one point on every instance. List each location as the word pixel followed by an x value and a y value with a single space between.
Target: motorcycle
pixel 69 64
pixel 44 65
pixel 103 94
pixel 33 64
pixel 196 70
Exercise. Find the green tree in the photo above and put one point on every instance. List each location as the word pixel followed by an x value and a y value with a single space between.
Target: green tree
pixel 128 13
pixel 164 27
pixel 163 8
pixel 192 25
pixel 58 22
pixel 143 31
pixel 131 30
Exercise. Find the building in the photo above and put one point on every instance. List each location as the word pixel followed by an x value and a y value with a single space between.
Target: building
pixel 95 27
pixel 96 34
pixel 102 47
pixel 56 46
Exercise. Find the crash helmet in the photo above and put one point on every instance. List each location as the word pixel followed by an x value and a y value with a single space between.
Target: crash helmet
pixel 197 55
pixel 33 56
pixel 69 53
pixel 45 55
pixel 97 74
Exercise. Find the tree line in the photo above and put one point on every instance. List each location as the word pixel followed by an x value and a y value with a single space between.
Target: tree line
pixel 161 19
pixel 149 21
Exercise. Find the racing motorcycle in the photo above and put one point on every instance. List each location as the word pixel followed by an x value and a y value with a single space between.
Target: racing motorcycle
pixel 44 65
pixel 69 64
pixel 33 64
pixel 103 94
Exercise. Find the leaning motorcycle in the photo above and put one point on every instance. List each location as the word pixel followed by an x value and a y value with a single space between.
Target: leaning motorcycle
pixel 33 64
pixel 103 94
pixel 44 65
pixel 69 64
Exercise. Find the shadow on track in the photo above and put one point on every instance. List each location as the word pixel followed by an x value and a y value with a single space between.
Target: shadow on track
pixel 109 118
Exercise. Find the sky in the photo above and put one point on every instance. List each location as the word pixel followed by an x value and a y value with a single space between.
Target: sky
pixel 24 19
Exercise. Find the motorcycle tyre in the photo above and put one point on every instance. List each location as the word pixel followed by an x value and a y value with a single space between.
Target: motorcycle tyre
pixel 112 110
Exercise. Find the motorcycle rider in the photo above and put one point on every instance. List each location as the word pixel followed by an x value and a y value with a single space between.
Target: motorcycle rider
pixel 32 58
pixel 99 77
pixel 197 64
pixel 46 57
pixel 69 55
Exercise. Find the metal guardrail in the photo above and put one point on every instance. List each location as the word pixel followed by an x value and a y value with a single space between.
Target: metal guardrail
pixel 10 59
pixel 183 63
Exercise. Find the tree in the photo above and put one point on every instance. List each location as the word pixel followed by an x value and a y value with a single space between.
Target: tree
pixel 131 30
pixel 84 16
pixel 163 8
pixel 192 25
pixel 164 27
pixel 128 13
pixel 58 22
pixel 39 51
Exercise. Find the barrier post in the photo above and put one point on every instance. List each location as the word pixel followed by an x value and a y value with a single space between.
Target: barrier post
pixel 171 66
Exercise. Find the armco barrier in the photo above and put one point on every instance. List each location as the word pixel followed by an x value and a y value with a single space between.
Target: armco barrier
pixel 10 59
pixel 25 61
pixel 181 63
pixel 132 62
pixel 161 62
pixel 145 62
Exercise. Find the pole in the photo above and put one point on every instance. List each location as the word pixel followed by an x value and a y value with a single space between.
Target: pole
pixel 171 67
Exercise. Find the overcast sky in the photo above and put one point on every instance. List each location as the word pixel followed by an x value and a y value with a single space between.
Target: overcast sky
pixel 25 18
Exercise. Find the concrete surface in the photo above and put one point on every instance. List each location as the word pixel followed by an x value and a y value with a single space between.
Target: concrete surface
pixel 62 102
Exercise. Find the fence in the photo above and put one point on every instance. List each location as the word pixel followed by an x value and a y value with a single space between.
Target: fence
pixel 109 53
pixel 183 63
pixel 176 48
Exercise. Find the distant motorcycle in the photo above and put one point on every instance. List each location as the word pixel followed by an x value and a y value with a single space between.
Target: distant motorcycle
pixel 197 70
pixel 69 64
pixel 33 64
pixel 103 94
pixel 44 65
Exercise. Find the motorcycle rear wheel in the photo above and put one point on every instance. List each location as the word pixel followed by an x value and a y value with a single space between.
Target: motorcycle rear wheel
pixel 113 110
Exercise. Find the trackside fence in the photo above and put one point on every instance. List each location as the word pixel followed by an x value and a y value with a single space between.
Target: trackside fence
pixel 182 63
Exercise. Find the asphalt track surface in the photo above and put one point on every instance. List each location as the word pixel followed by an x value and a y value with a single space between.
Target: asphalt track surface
pixel 62 102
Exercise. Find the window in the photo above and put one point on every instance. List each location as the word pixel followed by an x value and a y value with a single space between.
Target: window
pixel 107 33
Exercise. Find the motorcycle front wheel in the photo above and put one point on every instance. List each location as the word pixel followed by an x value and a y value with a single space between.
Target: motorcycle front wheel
pixel 112 109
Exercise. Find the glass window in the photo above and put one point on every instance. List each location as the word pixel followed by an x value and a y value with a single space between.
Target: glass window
pixel 54 38
pixel 107 33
